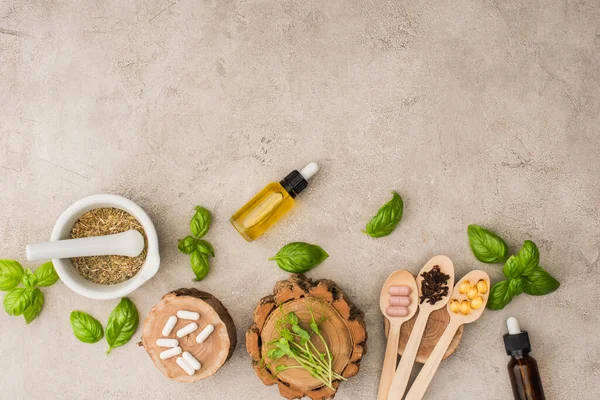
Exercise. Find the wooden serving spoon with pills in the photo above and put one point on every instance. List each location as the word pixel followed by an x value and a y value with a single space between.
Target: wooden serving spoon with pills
pixel 465 306
pixel 445 266
pixel 398 303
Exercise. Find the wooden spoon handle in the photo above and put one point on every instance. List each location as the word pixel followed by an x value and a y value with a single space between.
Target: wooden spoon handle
pixel 419 386
pixel 408 358
pixel 389 363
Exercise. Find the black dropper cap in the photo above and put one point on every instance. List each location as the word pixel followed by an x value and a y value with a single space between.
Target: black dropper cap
pixel 294 183
pixel 517 344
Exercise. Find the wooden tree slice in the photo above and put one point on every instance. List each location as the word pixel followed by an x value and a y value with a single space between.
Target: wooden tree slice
pixel 215 350
pixel 438 320
pixel 343 330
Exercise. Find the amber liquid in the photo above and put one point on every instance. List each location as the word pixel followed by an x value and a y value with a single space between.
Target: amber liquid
pixel 525 378
pixel 262 211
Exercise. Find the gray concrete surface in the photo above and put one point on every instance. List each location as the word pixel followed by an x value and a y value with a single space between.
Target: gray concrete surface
pixel 475 111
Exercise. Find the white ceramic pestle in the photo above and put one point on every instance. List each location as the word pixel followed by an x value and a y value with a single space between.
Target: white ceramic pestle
pixel 129 243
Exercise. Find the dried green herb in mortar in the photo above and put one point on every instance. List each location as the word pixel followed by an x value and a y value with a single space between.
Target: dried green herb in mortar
pixel 107 270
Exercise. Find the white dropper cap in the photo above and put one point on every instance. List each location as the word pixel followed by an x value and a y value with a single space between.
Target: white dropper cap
pixel 513 326
pixel 308 171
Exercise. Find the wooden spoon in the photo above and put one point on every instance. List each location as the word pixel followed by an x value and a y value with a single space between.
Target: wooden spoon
pixel 398 278
pixel 419 386
pixel 407 361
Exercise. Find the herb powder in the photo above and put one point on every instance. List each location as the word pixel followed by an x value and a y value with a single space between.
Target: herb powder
pixel 107 270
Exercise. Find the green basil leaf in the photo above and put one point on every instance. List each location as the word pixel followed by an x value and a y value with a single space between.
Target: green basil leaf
pixel 17 300
pixel 85 327
pixel 28 279
pixel 299 257
pixel 204 247
pixel 539 282
pixel 35 307
pixel 199 263
pixel 386 219
pixel 200 223
pixel 500 296
pixel 515 286
pixel 10 274
pixel 122 324
pixel 528 257
pixel 187 245
pixel 512 268
pixel 46 274
pixel 487 246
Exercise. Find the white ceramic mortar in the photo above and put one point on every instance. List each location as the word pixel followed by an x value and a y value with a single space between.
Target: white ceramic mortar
pixel 69 275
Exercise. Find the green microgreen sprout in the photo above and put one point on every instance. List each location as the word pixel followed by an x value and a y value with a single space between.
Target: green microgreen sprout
pixel 298 343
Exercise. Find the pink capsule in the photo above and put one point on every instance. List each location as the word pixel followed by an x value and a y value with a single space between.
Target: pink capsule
pixel 399 290
pixel 396 311
pixel 399 301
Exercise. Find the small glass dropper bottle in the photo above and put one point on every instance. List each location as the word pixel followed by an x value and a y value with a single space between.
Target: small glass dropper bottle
pixel 271 203
pixel 522 368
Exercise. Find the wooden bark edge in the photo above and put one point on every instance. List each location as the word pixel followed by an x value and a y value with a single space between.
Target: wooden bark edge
pixel 297 287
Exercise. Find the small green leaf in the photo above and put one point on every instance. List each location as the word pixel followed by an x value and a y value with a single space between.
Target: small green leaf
pixel 200 223
pixel 299 257
pixel 386 219
pixel 17 300
pixel 512 268
pixel 199 264
pixel 10 274
pixel 280 368
pixel 187 245
pixel 275 353
pixel 528 257
pixel 85 327
pixel 204 247
pixel 28 279
pixel 515 286
pixel 122 324
pixel 46 274
pixel 539 282
pixel 300 332
pixel 314 326
pixel 487 246
pixel 500 296
pixel 35 307
pixel 292 318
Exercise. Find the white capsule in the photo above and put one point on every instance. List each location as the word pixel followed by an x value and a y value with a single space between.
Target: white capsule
pixel 185 366
pixel 191 360
pixel 170 353
pixel 163 342
pixel 202 336
pixel 183 314
pixel 186 330
pixel 169 325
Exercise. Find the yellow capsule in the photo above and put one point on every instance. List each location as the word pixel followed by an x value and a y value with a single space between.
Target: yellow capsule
pixel 465 307
pixel 476 303
pixel 464 287
pixel 482 287
pixel 472 293
pixel 455 306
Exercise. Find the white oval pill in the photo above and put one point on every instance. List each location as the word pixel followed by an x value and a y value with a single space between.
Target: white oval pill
pixel 167 342
pixel 185 366
pixel 170 353
pixel 187 356
pixel 183 314
pixel 169 325
pixel 186 330
pixel 202 336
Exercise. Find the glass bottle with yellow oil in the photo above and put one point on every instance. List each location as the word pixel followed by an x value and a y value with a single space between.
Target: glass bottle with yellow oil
pixel 271 203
